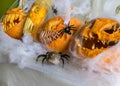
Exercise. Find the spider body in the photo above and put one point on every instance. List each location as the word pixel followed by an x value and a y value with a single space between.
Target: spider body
pixel 68 28
pixel 54 57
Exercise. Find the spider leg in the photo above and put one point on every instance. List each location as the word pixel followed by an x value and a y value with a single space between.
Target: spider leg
pixel 40 56
pixel 62 62
pixel 72 26
pixel 44 60
pixel 65 56
pixel 68 23
pixel 73 29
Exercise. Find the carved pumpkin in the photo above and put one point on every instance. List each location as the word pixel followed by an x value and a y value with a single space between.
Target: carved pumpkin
pixel 13 22
pixel 56 34
pixel 96 36
pixel 36 17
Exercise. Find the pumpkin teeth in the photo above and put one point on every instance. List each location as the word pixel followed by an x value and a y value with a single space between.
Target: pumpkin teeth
pixel 10 18
pixel 4 27
pixel 13 24
pixel 98 40
pixel 84 48
pixel 119 28
pixel 93 46
pixel 108 42
pixel 103 42
pixel 20 17
pixel 16 16
pixel 102 47
pixel 10 26
pixel 114 27
pixel 85 38
pixel 90 35
pixel 7 27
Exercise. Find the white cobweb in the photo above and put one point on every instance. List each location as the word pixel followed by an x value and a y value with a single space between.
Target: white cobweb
pixel 63 9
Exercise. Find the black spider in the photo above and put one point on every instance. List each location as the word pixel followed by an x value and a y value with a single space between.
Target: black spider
pixel 55 11
pixel 68 28
pixel 53 57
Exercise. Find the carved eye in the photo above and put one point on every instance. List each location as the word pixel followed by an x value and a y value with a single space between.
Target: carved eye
pixel 36 9
pixel 111 30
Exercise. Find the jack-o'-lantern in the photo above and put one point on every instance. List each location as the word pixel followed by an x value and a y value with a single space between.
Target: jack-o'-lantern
pixel 13 22
pixel 56 34
pixel 95 37
pixel 36 17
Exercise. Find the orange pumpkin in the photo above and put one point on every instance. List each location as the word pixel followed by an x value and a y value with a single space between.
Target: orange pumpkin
pixel 13 22
pixel 36 17
pixel 56 35
pixel 95 37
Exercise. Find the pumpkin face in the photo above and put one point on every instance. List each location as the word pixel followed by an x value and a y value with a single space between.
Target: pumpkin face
pixel 13 23
pixel 96 36
pixel 56 35
pixel 35 18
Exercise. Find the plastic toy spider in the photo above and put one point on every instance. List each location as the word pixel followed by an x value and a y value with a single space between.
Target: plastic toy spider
pixel 53 57
pixel 68 29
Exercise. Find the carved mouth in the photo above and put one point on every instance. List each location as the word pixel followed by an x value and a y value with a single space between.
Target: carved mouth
pixel 94 43
pixel 11 20
pixel 49 36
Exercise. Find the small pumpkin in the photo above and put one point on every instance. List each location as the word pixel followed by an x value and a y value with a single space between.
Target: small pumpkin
pixel 56 35
pixel 13 22
pixel 96 36
pixel 36 17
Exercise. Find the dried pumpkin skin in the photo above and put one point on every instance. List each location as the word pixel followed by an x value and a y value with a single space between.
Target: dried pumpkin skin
pixel 53 33
pixel 96 36
pixel 13 22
